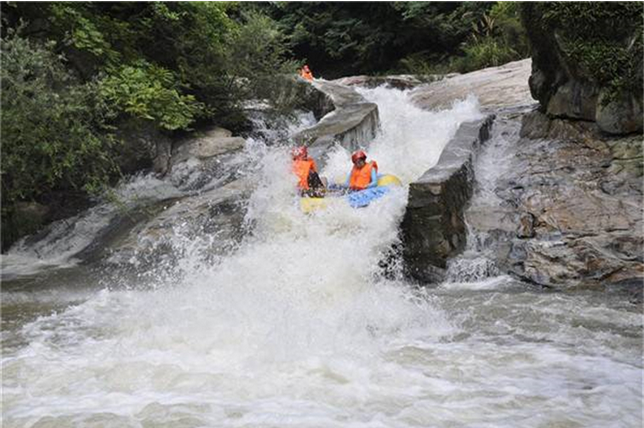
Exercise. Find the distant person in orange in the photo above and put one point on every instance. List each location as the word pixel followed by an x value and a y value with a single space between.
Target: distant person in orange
pixel 306 73
pixel 364 175
pixel 309 182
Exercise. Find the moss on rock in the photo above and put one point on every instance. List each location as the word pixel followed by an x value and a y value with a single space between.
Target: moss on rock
pixel 593 48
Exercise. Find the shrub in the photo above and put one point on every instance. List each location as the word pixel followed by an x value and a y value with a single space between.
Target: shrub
pixel 485 52
pixel 149 92
pixel 54 132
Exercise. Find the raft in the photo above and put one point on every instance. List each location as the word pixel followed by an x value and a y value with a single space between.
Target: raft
pixel 358 199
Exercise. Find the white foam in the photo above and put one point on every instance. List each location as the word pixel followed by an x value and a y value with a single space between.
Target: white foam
pixel 296 328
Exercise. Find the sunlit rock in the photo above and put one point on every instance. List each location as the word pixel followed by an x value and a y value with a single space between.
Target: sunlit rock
pixel 495 88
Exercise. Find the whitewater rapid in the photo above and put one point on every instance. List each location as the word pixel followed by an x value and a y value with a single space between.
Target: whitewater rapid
pixel 298 327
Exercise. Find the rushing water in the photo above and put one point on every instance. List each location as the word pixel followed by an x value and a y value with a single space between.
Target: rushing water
pixel 298 328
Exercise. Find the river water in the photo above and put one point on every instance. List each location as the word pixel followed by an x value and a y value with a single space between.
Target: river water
pixel 300 328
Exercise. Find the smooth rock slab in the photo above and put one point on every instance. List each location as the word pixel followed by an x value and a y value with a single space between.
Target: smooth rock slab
pixel 495 87
pixel 215 217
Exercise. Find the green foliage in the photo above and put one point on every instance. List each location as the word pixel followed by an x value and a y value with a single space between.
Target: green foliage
pixel 82 72
pixel 497 38
pixel 54 128
pixel 81 32
pixel 507 18
pixel 175 62
pixel 150 92
pixel 481 35
pixel 340 38
pixel 485 52
pixel 370 37
pixel 419 64
pixel 258 49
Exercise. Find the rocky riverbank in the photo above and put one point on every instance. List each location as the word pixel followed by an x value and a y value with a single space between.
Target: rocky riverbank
pixel 566 209
pixel 569 210
pixel 199 191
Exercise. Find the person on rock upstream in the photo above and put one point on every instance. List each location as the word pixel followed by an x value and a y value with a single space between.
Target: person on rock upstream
pixel 309 182
pixel 306 73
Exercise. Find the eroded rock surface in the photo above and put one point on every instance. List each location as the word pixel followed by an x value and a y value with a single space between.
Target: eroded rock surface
pixel 556 202
pixel 569 208
pixel 214 218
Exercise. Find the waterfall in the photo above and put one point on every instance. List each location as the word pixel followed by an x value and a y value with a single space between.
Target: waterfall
pixel 298 328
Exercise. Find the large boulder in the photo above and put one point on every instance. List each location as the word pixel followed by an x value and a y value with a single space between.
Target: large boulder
pixel 215 217
pixel 145 147
pixel 207 144
pixel 433 227
pixel 352 124
pixel 587 61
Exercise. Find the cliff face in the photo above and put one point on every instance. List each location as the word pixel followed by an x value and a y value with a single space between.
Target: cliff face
pixel 587 61
pixel 570 206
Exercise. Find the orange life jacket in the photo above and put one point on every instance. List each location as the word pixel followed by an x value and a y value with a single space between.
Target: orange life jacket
pixel 302 168
pixel 306 74
pixel 361 177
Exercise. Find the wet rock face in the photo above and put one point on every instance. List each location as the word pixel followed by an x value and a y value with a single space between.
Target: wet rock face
pixel 213 219
pixel 587 62
pixel 353 123
pixel 433 227
pixel 144 147
pixel 571 208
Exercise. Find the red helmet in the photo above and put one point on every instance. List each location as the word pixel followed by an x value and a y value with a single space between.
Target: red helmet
pixel 358 154
pixel 299 152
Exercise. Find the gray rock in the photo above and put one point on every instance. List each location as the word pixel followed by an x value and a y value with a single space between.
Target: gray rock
pixel 402 82
pixel 561 78
pixel 578 216
pixel 526 226
pixel 216 216
pixel 495 87
pixel 161 161
pixel 212 143
pixel 574 99
pixel 144 146
pixel 433 226
pixel 352 124
pixel 621 116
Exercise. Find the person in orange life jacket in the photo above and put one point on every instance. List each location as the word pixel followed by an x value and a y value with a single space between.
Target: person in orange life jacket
pixel 363 175
pixel 309 182
pixel 306 73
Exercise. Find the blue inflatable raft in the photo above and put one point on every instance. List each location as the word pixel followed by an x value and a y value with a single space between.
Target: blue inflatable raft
pixel 358 199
